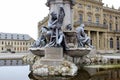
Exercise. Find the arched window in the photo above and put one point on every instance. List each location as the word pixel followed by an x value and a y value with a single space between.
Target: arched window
pixel 111 42
pixel 89 18
pixel 116 25
pixel 104 22
pixel 97 20
pixel 81 18
pixel 110 25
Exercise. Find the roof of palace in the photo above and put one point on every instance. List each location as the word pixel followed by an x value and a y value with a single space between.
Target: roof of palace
pixel 14 36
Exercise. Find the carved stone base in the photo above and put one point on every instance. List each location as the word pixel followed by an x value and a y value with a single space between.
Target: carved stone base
pixel 53 53
pixel 51 62
pixel 53 56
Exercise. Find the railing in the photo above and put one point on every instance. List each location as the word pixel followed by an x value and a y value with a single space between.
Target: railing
pixel 95 24
pixel 11 62
pixel 117 31
pixel 92 24
pixel 10 56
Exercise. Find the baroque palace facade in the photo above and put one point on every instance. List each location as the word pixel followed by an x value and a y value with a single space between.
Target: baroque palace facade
pixel 17 43
pixel 102 23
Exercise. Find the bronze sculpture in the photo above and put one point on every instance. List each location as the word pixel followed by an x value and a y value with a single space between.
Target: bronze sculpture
pixel 82 37
pixel 54 34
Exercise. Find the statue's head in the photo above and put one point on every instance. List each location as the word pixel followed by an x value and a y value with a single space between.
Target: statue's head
pixel 54 15
pixel 82 25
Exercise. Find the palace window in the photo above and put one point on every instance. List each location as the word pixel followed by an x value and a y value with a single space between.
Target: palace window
pixel 104 15
pixel 97 19
pixel 18 49
pixel 15 48
pixel 20 43
pixel 91 42
pixel 110 16
pixel 15 43
pixel 88 7
pixel 79 5
pixel 110 26
pixel 97 9
pixel 116 26
pixel 2 48
pixel 118 47
pixel 89 19
pixel 81 18
pixel 2 42
pixel 111 42
pixel 104 22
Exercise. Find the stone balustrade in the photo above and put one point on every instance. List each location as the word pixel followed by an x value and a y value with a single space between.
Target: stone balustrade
pixel 10 56
pixel 7 59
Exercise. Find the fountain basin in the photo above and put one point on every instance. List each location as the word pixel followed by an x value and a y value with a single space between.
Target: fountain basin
pixel 78 52
pixel 38 51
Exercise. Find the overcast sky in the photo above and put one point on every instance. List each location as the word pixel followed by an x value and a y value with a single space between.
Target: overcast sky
pixel 22 16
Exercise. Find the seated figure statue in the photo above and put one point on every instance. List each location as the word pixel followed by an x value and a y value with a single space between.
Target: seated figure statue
pixel 42 40
pixel 55 32
pixel 82 37
pixel 52 36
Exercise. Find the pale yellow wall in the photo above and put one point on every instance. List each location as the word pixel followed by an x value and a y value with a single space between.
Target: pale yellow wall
pixel 15 45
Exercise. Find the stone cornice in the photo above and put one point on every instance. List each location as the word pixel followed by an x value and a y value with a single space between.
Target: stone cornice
pixel 111 10
pixel 96 2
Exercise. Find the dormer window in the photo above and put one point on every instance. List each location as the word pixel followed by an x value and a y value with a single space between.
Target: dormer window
pixel 17 36
pixel 11 36
pixel 23 37
pixel 5 36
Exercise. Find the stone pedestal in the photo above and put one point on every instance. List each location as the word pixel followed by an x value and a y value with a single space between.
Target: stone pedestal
pixel 53 56
pixel 53 53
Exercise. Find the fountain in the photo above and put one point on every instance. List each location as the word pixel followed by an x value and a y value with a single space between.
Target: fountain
pixel 58 39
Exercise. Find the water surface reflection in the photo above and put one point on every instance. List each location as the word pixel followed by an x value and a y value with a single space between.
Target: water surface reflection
pixel 16 70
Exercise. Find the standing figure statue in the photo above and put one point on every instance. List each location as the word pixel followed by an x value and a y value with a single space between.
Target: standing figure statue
pixel 82 37
pixel 57 37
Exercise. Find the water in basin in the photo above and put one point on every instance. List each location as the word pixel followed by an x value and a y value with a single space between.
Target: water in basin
pixel 19 71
